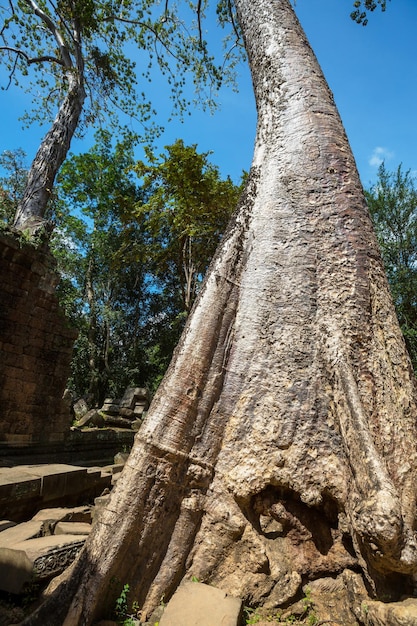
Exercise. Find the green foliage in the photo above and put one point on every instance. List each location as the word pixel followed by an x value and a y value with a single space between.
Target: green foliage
pixel 392 203
pixel 102 285
pixel 119 246
pixel 111 46
pixel 121 609
pixel 361 7
pixel 186 211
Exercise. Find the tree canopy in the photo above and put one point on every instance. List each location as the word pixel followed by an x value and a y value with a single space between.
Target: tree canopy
pixel 186 211
pixel 89 61
pixel 392 201
pixel 133 241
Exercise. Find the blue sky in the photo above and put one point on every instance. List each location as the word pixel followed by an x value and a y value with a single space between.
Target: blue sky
pixel 371 70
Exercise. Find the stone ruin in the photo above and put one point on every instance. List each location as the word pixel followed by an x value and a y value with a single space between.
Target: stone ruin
pixel 127 412
pixel 35 347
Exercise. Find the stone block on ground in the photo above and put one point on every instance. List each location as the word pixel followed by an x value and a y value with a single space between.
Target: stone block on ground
pixel 80 408
pixel 110 406
pixel 140 409
pixel 26 489
pixel 92 418
pixel 21 532
pixel 65 514
pixel 197 604
pixel 17 485
pixel 133 396
pixel 37 559
pixel 117 421
pixel 57 479
pixel 72 528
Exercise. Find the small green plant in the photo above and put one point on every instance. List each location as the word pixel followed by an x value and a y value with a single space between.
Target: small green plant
pixel 251 616
pixel 121 610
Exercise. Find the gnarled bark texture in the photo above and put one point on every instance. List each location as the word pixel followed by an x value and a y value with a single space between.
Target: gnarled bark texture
pixel 50 156
pixel 281 445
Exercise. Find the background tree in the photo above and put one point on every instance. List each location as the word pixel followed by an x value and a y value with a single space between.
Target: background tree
pixel 187 209
pixel 103 294
pixel 281 445
pixel 120 238
pixel 78 53
pixel 392 201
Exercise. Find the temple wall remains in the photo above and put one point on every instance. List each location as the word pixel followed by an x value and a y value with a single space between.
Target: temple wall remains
pixel 35 347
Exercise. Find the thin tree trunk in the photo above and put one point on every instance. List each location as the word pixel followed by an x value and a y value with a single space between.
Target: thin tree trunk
pixel 281 445
pixel 50 156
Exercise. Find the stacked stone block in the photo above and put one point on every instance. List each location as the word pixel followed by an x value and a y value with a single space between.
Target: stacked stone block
pixel 35 347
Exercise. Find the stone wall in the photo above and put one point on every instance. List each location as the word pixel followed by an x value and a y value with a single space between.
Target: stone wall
pixel 35 347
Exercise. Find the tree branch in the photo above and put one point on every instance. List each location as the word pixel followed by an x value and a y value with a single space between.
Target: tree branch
pixel 66 57
pixel 200 34
pixel 31 60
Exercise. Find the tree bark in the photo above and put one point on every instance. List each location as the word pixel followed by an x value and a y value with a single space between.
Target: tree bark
pixel 50 156
pixel 281 445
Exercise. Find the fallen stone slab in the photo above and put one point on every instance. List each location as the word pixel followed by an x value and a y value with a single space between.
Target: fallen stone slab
pixel 92 418
pixel 72 528
pixel 37 559
pixel 27 488
pixel 57 478
pixel 116 420
pixel 135 395
pixel 21 532
pixel 65 514
pixel 197 604
pixel 19 488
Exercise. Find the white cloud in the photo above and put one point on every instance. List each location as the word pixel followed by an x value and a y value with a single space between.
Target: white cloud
pixel 379 155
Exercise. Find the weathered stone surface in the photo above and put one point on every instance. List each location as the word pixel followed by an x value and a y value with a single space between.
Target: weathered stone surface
pixel 72 528
pixel 27 488
pixel 196 604
pixel 21 532
pixel 390 614
pixel 134 396
pixel 80 408
pixel 38 558
pixel 117 421
pixel 91 418
pixel 35 347
pixel 110 406
pixel 5 523
pixel 74 514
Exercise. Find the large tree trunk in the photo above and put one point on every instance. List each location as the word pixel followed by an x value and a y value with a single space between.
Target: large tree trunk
pixel 50 156
pixel 281 444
